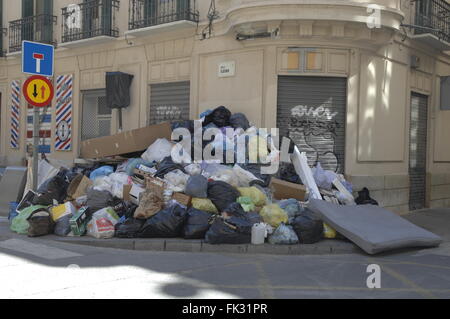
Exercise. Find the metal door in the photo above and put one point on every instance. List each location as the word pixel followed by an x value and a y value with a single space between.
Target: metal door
pixel 418 151
pixel 169 102
pixel 312 112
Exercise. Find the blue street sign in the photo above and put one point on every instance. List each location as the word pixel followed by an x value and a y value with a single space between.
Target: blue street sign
pixel 37 58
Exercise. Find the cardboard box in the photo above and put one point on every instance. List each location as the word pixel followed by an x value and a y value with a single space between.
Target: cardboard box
pixel 62 210
pixel 78 223
pixel 134 193
pixel 79 186
pixel 126 192
pixel 285 190
pixel 126 142
pixel 183 199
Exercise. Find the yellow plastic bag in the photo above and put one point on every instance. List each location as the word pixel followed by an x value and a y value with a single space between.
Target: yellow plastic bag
pixel 273 215
pixel 205 205
pixel 329 232
pixel 257 196
pixel 257 149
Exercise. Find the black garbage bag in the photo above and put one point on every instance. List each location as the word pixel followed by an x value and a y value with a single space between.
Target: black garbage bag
pixel 233 230
pixel 97 200
pixel 167 165
pixel 254 218
pixel 197 186
pixel 308 227
pixel 53 189
pixel 123 208
pixel 239 120
pixel 197 224
pixel 129 228
pixel 220 117
pixel 364 198
pixel 62 226
pixel 167 223
pixel 41 223
pixel 236 210
pixel 287 173
pixel 222 194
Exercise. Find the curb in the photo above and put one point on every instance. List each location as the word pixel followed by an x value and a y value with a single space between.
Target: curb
pixel 325 247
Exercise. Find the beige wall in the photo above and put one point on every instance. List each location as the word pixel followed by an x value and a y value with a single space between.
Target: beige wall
pixel 375 62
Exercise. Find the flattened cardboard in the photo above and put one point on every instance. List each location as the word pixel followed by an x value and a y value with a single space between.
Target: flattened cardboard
pixel 183 199
pixel 126 192
pixel 154 182
pixel 286 190
pixel 126 142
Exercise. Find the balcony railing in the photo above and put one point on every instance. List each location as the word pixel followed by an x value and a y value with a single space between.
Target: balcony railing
pixel 37 28
pixel 433 16
pixel 90 19
pixel 147 13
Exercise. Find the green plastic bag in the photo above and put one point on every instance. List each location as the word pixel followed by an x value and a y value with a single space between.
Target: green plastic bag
pixel 20 224
pixel 246 203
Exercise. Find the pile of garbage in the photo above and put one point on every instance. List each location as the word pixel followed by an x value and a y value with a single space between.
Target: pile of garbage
pixel 155 195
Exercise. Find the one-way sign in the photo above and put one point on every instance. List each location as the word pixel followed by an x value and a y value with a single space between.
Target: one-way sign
pixel 37 58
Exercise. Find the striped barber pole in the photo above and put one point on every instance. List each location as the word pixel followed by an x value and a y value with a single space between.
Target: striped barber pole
pixel 64 93
pixel 15 113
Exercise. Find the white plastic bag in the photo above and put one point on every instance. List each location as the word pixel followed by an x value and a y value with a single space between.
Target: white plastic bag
pixel 193 169
pixel 222 173
pixel 243 176
pixel 118 181
pixel 102 223
pixel 103 183
pixel 159 150
pixel 176 180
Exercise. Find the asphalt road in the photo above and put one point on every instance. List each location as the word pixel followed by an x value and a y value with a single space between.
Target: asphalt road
pixel 49 269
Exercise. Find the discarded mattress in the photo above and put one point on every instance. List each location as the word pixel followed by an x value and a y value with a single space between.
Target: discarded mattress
pixel 373 228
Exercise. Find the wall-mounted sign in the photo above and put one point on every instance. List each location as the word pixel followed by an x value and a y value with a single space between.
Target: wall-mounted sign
pixel 227 69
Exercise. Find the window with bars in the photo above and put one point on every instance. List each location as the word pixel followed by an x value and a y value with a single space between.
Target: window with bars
pixel 96 116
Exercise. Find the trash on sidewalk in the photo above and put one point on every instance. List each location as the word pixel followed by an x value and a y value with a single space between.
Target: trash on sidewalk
pixel 132 185
pixel 102 223
pixel 41 223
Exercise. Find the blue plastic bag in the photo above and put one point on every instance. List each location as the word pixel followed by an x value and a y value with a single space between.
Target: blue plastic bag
pixel 101 171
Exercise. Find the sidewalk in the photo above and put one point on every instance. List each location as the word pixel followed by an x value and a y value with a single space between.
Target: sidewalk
pixel 434 220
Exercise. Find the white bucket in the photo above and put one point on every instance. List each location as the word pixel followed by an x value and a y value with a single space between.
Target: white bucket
pixel 259 233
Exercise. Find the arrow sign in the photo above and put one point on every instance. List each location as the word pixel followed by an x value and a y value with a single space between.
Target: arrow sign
pixel 38 91
pixel 43 92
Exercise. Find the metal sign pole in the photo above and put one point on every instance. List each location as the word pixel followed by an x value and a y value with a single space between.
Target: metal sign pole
pixel 36 126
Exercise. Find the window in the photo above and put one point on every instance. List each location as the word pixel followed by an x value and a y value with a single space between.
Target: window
pixel 96 117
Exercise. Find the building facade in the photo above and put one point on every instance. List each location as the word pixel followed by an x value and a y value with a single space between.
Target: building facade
pixel 356 84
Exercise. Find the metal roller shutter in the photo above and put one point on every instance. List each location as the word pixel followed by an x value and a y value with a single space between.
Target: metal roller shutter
pixel 418 151
pixel 312 112
pixel 169 102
